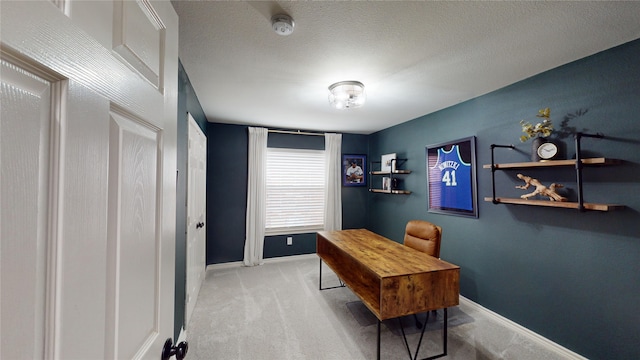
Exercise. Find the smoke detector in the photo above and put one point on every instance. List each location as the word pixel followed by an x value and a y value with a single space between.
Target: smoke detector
pixel 282 24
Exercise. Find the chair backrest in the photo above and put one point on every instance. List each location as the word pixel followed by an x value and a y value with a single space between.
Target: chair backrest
pixel 423 236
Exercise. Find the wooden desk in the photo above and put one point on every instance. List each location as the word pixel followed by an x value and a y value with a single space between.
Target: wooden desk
pixel 391 279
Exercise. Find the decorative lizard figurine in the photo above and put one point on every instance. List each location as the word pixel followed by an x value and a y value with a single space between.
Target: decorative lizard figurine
pixel 540 189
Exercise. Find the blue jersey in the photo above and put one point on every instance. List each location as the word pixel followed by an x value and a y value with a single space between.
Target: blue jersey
pixel 450 181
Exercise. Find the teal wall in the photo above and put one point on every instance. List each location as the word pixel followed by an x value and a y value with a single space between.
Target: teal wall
pixel 187 102
pixel 569 276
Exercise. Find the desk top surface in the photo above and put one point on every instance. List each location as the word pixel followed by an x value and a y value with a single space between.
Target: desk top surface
pixel 382 256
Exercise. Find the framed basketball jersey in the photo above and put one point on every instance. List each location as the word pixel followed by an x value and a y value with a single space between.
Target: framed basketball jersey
pixel 451 177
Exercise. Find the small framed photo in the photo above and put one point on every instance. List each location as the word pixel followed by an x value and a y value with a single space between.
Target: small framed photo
pixel 354 170
pixel 451 177
pixel 388 163
pixel 386 184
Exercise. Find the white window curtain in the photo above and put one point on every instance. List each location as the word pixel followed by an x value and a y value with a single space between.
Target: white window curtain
pixel 256 208
pixel 333 180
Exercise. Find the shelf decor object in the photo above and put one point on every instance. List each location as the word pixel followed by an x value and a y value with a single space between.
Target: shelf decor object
pixel 540 189
pixel 579 163
pixel 451 177
pixel 388 163
pixel 542 148
pixel 386 184
pixel 354 170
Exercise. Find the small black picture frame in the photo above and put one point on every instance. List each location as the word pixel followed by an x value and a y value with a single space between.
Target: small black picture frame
pixel 451 177
pixel 354 170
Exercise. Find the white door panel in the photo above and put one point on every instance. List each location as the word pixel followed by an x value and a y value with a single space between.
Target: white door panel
pixel 94 17
pixel 39 31
pixel 24 200
pixel 139 38
pixel 196 215
pixel 96 266
pixel 134 239
pixel 82 227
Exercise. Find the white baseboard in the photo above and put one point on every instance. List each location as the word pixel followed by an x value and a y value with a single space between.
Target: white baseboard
pixel 182 336
pixel 226 265
pixel 292 257
pixel 266 261
pixel 517 328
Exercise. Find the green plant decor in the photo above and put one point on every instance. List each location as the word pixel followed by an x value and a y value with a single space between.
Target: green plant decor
pixel 541 129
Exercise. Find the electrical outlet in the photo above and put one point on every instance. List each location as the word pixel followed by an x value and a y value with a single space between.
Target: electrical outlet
pixel 289 240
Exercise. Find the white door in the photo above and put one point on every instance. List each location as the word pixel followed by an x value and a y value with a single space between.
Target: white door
pixel 196 215
pixel 88 172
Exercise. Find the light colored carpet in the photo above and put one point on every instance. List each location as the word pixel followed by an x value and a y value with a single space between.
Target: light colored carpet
pixel 435 322
pixel 276 312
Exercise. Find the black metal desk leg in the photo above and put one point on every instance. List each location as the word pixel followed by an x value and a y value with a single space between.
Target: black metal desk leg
pixel 378 356
pixel 331 287
pixel 444 332
pixel 320 281
pixel 444 339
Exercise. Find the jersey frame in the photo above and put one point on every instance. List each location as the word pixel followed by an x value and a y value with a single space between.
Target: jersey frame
pixel 451 177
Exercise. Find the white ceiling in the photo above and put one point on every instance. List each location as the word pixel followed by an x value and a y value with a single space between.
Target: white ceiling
pixel 413 57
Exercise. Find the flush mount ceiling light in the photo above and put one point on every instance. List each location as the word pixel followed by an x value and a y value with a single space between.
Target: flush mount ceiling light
pixel 282 24
pixel 347 94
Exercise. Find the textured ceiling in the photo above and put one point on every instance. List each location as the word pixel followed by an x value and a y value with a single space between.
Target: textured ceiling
pixel 413 57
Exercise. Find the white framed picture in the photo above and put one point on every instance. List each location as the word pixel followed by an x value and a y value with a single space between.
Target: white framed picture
pixel 388 163
pixel 386 184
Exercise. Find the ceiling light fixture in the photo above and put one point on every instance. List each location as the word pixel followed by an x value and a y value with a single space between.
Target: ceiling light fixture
pixel 282 24
pixel 347 94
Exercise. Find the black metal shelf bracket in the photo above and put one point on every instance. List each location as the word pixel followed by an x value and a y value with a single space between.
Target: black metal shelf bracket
pixel 579 165
pixel 493 169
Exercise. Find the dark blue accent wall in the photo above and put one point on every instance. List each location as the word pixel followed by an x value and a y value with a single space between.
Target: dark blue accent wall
pixel 355 200
pixel 226 192
pixel 571 277
pixel 187 102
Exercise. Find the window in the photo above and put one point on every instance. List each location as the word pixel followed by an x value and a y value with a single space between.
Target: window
pixel 295 191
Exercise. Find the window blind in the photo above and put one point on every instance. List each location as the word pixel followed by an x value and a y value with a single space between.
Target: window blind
pixel 294 191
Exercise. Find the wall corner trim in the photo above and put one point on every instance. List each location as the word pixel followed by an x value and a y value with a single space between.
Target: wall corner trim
pixel 519 329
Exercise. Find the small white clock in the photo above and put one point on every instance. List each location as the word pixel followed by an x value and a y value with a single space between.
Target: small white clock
pixel 547 150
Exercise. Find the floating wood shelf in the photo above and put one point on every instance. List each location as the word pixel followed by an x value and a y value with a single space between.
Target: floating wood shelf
pixel 583 162
pixel 390 172
pixel 402 192
pixel 557 204
pixel 550 163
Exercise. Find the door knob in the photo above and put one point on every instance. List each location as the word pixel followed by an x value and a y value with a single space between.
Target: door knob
pixel 199 225
pixel 179 351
